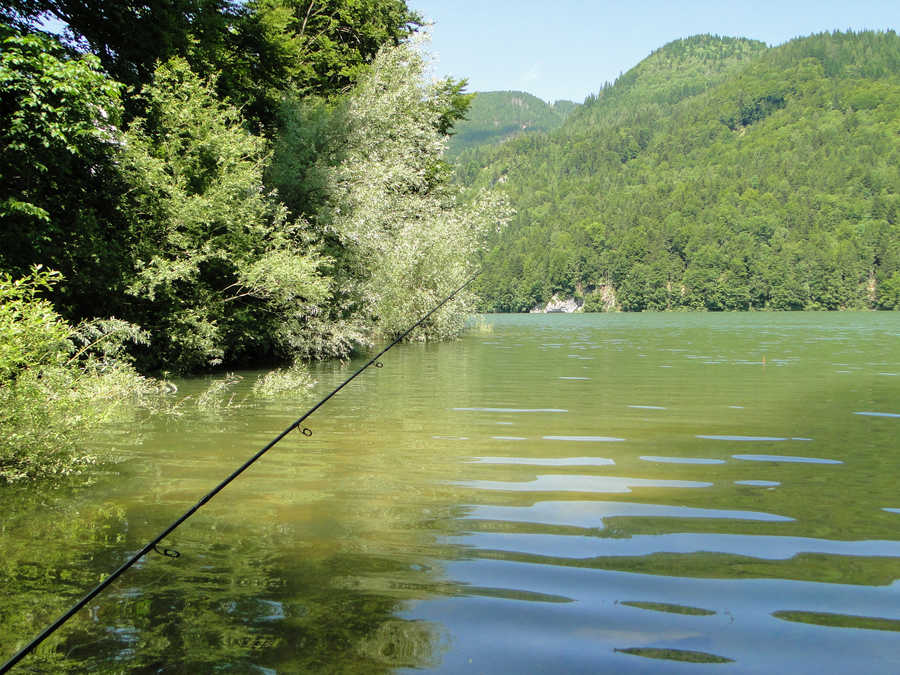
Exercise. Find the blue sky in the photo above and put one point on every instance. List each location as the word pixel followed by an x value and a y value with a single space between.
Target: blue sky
pixel 567 49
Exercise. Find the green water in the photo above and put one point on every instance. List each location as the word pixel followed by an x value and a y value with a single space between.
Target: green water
pixel 554 493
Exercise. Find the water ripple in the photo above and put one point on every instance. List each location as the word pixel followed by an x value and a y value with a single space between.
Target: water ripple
pixel 513 410
pixel 594 439
pixel 594 514
pixel 535 461
pixel 673 654
pixel 681 460
pixel 566 483
pixel 786 458
pixel 742 438
pixel 762 547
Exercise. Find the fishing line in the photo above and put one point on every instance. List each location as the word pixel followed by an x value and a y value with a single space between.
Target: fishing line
pixel 154 543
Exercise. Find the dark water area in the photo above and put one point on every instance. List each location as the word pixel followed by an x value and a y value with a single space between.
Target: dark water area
pixel 653 493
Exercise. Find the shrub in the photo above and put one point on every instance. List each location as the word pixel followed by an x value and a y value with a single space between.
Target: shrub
pixel 56 381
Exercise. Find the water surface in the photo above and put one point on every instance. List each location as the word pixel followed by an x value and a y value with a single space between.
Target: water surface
pixel 566 493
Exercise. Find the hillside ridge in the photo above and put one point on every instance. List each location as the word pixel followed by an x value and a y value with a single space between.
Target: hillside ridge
pixel 735 176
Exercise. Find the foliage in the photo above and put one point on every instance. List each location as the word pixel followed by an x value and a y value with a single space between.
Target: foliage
pixel 324 46
pixel 57 130
pixel 294 381
pixel 214 254
pixel 218 395
pixel 130 38
pixel 716 175
pixel 405 239
pixel 150 199
pixel 56 381
pixel 367 171
pixel 31 333
pixel 169 223
pixel 253 51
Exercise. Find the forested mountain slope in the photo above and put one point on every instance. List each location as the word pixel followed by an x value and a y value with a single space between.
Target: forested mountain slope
pixel 717 174
pixel 497 115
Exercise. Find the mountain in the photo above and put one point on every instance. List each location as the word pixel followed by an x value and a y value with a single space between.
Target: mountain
pixel 495 116
pixel 717 174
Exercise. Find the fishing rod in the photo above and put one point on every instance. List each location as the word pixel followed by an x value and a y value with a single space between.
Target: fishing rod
pixel 153 544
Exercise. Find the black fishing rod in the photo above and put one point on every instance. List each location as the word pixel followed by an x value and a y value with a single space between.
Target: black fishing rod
pixel 153 544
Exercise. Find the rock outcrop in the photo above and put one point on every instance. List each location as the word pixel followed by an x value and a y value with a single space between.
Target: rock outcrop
pixel 559 305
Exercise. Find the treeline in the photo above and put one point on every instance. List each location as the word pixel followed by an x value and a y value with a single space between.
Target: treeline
pixel 718 174
pixel 193 184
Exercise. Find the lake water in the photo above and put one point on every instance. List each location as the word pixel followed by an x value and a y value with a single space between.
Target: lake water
pixel 653 493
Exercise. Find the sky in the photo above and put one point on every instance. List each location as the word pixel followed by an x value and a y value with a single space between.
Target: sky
pixel 567 49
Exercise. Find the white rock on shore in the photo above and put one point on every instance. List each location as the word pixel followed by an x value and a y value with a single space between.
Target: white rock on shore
pixel 556 304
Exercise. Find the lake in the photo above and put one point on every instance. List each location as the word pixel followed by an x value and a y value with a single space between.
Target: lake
pixel 636 493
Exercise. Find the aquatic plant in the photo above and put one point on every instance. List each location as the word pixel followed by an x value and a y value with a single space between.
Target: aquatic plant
pixel 57 381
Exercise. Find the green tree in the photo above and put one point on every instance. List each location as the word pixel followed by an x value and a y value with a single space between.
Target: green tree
pixel 255 51
pixel 889 292
pixel 405 238
pixel 216 260
pixel 130 38
pixel 58 178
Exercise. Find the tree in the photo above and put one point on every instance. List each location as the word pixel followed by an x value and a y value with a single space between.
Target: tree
pixel 216 261
pixel 255 51
pixel 130 38
pixel 403 238
pixel 326 45
pixel 58 179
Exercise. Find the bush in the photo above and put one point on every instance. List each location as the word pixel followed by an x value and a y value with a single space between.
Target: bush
pixel 217 263
pixel 56 381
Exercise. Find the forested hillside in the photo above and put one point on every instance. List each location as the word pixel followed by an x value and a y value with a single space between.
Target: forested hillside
pixel 717 174
pixel 494 116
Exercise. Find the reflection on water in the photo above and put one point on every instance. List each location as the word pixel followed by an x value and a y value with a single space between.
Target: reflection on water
pixel 589 439
pixel 593 514
pixel 616 525
pixel 592 545
pixel 565 483
pixel 787 458
pixel 543 461
pixel 672 609
pixel 681 460
pixel 675 655
pixel 514 410
pixel 743 438
pixel 841 620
